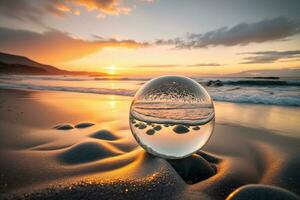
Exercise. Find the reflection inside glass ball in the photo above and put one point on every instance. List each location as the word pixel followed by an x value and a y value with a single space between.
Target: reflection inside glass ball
pixel 172 116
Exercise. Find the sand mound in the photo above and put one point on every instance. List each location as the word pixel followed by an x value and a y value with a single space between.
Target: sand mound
pixel 126 146
pixel 84 125
pixel 287 174
pixel 86 152
pixel 63 127
pixel 104 135
pixel 261 192
pixel 161 185
pixel 50 147
pixel 193 168
pixel 209 157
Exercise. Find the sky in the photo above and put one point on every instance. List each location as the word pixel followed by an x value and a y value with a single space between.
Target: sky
pixel 154 37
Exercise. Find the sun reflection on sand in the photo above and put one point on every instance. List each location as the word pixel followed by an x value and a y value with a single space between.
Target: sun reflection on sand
pixel 87 107
pixel 112 102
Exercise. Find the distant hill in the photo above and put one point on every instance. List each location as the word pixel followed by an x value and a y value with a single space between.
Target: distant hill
pixel 20 69
pixel 15 64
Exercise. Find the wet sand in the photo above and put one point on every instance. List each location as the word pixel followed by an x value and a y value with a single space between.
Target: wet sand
pixel 59 145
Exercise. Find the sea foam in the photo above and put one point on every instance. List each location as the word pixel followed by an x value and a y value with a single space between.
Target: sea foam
pixel 271 92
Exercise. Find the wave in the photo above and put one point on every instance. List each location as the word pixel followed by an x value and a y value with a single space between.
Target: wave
pixel 121 92
pixel 263 83
pixel 268 99
pixel 285 93
pixel 256 83
pixel 203 81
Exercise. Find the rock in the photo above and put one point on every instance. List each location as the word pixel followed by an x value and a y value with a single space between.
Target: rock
pixel 150 132
pixel 216 83
pixel 157 128
pixel 64 127
pixel 261 192
pixel 84 125
pixel 180 129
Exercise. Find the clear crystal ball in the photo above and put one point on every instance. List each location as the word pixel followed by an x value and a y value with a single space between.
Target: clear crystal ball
pixel 172 117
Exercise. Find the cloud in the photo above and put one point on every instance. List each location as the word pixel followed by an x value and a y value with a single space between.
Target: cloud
pixel 21 10
pixel 111 7
pixel 291 60
pixel 55 46
pixel 147 1
pixel 25 10
pixel 204 64
pixel 174 65
pixel 59 8
pixel 279 28
pixel 269 56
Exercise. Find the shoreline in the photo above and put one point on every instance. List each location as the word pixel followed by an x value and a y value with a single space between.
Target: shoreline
pixel 282 120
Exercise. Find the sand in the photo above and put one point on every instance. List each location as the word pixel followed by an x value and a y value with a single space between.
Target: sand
pixel 98 158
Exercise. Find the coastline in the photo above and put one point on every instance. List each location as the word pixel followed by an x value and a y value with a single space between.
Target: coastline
pixel 245 153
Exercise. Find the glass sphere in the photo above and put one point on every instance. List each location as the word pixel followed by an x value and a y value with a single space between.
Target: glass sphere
pixel 172 116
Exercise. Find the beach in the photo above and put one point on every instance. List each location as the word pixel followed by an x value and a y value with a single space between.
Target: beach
pixel 68 145
pixel 149 100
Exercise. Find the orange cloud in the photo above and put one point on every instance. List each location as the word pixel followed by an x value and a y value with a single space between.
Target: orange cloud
pixel 108 7
pixel 111 7
pixel 55 46
pixel 60 8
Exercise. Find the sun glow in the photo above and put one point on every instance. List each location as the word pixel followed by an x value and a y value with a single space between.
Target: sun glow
pixel 111 70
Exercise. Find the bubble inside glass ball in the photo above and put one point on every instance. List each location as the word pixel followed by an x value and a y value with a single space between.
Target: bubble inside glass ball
pixel 172 116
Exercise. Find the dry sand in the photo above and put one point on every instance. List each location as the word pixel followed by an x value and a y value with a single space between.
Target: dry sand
pixel 101 160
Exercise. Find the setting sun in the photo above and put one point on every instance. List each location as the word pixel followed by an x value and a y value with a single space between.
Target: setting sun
pixel 111 70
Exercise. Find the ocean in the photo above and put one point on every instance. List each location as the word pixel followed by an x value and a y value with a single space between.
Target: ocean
pixel 283 92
